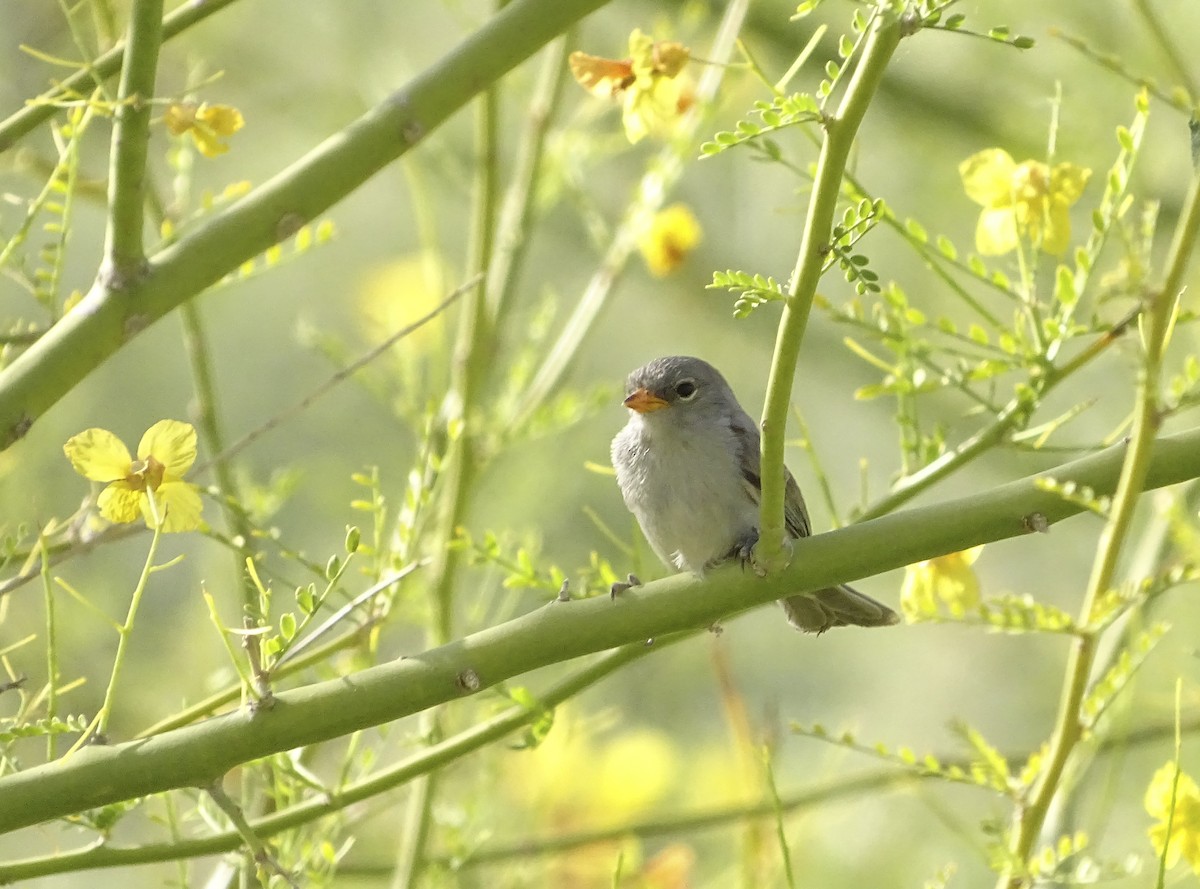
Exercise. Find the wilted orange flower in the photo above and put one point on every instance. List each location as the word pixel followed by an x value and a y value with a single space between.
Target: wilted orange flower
pixel 647 82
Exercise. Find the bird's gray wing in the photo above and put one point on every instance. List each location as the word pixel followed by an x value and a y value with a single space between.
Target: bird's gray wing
pixel 795 513
pixel 816 612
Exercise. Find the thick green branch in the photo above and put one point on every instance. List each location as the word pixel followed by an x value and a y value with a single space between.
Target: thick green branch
pixel 319 806
pixel 840 130
pixel 124 255
pixel 104 321
pixel 197 755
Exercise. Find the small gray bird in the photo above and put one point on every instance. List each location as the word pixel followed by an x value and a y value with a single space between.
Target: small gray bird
pixel 688 466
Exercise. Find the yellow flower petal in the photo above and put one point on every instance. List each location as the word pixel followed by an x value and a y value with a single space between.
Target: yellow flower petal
pixel 996 231
pixel 987 177
pixel 651 109
pixel 947 581
pixel 172 443
pixel 120 503
pixel 180 118
pixel 207 142
pixel 1056 234
pixel 179 507
pixel 1179 830
pixel 1158 794
pixel 673 233
pixel 223 120
pixel 603 78
pixel 641 53
pixel 98 455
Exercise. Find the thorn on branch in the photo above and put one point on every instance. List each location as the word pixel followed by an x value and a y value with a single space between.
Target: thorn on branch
pixel 263 697
pixel 621 586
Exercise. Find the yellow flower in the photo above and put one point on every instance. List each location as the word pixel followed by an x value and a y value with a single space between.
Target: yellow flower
pixel 166 452
pixel 945 581
pixel 653 93
pixel 1027 200
pixel 205 123
pixel 395 294
pixel 672 234
pixel 1182 836
pixel 575 779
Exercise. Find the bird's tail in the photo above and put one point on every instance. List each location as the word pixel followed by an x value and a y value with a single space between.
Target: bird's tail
pixel 838 606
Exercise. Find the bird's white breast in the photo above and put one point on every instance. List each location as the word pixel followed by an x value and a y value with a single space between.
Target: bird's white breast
pixel 687 491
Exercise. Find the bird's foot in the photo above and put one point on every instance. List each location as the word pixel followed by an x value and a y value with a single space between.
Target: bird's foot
pixel 621 586
pixel 743 551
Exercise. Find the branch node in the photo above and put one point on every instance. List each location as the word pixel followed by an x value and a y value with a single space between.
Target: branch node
pixel 468 681
pixel 1035 523
pixel 120 276
pixel 289 223
pixel 135 324
pixel 18 429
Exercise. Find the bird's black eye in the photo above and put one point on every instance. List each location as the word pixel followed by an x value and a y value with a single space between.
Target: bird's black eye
pixel 685 389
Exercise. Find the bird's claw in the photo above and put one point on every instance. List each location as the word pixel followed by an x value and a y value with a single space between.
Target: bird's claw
pixel 743 551
pixel 621 586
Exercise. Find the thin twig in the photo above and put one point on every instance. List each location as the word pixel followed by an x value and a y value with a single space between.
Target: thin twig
pixel 339 377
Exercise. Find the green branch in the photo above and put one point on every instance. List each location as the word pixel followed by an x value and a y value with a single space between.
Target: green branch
pixel 1012 417
pixel 314 808
pixel 104 321
pixel 840 130
pixel 197 755
pixel 124 254
pixel 1147 418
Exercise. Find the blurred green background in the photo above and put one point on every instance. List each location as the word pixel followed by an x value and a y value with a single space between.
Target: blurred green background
pixel 301 71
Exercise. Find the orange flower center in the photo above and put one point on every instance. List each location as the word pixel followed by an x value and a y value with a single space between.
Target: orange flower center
pixel 145 474
pixel 1031 181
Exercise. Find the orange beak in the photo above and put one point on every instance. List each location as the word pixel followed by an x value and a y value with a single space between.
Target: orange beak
pixel 644 402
